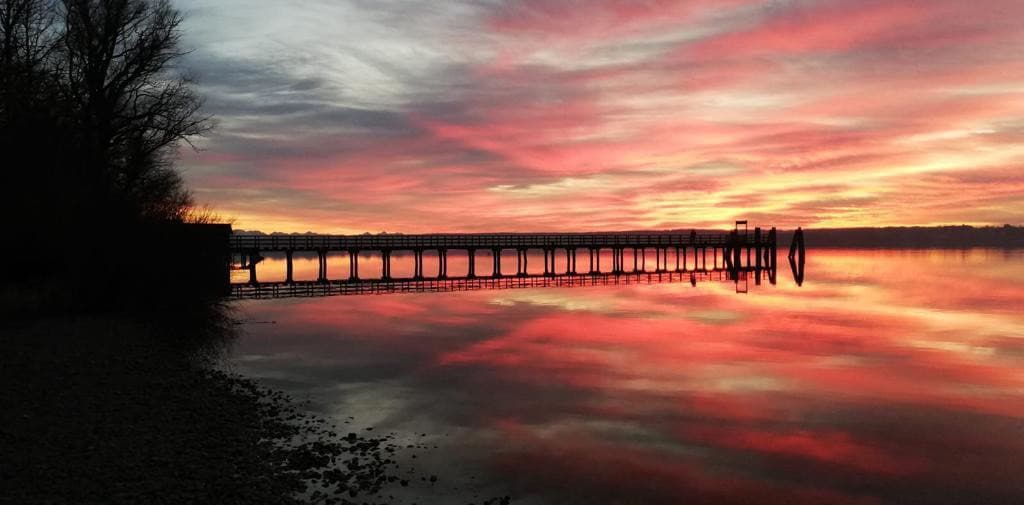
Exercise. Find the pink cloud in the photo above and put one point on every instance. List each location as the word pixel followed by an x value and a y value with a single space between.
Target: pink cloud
pixel 717 116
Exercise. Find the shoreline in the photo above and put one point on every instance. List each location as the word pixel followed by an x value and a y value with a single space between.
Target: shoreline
pixel 107 409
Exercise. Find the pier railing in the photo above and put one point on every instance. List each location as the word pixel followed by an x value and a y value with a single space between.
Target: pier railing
pixel 271 243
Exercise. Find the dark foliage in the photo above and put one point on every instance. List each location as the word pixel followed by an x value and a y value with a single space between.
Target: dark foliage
pixel 92 112
pixel 110 411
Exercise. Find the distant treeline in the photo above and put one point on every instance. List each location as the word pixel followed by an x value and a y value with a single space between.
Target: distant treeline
pixel 947 237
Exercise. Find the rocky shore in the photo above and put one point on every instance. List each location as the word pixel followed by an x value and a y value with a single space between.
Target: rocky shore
pixel 128 410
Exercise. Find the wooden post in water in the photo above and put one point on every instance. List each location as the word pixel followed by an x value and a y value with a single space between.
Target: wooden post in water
pixel 288 266
pixel 757 248
pixel 797 245
pixel 385 265
pixel 737 254
pixel 321 275
pixel 730 245
pixel 252 268
pixel 417 264
pixel 797 256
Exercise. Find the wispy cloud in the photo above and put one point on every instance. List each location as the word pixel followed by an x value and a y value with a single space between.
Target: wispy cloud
pixel 358 116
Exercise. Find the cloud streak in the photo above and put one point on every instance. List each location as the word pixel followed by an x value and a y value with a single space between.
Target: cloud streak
pixel 521 115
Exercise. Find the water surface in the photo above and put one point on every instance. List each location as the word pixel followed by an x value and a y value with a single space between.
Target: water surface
pixel 888 377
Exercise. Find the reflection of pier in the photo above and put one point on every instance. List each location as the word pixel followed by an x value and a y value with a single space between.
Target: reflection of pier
pixel 741 277
pixel 739 251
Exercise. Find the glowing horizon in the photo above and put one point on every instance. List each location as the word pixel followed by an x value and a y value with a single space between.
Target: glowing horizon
pixel 545 115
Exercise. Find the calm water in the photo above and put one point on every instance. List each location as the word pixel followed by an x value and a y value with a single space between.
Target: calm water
pixel 887 377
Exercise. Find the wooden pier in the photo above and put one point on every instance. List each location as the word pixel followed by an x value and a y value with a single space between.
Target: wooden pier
pixel 739 250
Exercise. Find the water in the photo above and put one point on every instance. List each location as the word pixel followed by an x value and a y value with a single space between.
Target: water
pixel 894 377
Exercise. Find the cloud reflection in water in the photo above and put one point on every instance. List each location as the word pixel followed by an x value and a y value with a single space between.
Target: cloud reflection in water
pixel 887 377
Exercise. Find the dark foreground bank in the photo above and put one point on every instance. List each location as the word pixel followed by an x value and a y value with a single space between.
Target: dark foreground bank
pixel 120 410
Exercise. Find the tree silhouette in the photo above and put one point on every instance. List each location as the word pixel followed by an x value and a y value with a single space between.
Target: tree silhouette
pixel 93 108
pixel 132 110
pixel 95 81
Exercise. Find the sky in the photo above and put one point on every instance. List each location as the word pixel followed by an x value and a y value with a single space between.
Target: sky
pixel 352 116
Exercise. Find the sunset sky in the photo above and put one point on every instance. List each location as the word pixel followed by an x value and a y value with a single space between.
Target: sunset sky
pixel 348 116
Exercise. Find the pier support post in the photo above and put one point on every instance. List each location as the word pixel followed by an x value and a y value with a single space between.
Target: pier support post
pixel 385 260
pixel 472 263
pixel 727 252
pixel 677 259
pixel 643 259
pixel 570 261
pixel 322 270
pixel 521 262
pixel 353 265
pixel 252 268
pixel 442 263
pixel 496 256
pixel 417 264
pixel 288 279
pixel 757 253
pixel 547 261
